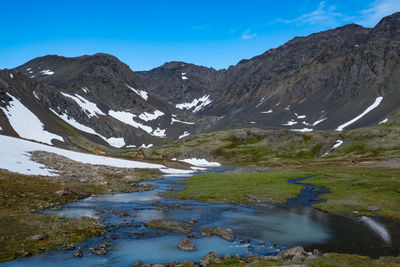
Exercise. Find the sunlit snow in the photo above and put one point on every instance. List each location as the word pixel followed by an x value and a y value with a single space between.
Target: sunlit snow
pixel 47 72
pixel 318 121
pixel 26 124
pixel 201 162
pixel 112 141
pixel 15 157
pixel 374 105
pixel 141 93
pixel 196 104
pixel 184 135
pixel 384 121
pixel 289 123
pixel 151 116
pixel 184 122
pixel 90 108
pixel 303 130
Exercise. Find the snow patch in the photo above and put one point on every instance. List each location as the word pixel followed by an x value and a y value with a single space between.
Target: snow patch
pixel 146 146
pixel 290 123
pixel 159 133
pixel 35 95
pixel 184 122
pixel 184 135
pixel 26 124
pixel 85 89
pixel 301 116
pixel 16 158
pixel 130 146
pixel 151 116
pixel 318 122
pixel 378 100
pixel 141 93
pixel 196 104
pixel 384 121
pixel 112 141
pixel 11 76
pixel 47 72
pixel 266 112
pixel 201 162
pixel 90 108
pixel 303 130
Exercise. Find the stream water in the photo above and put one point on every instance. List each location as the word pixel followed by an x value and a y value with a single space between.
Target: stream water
pixel 259 229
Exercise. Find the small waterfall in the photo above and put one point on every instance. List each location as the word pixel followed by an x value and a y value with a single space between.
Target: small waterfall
pixel 377 228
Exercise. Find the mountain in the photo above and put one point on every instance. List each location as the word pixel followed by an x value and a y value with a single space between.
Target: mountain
pixel 344 78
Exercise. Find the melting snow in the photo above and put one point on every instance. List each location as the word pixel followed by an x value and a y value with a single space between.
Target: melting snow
pixel 127 118
pixel 146 146
pixel 303 130
pixel 159 133
pixel 26 124
pixel 266 112
pixel 184 135
pixel 318 122
pixel 47 72
pixel 385 120
pixel 184 122
pixel 197 104
pixel 201 162
pixel 15 157
pixel 112 141
pixel 35 95
pixel 90 108
pixel 290 123
pixel 151 116
pixel 141 93
pixel 374 105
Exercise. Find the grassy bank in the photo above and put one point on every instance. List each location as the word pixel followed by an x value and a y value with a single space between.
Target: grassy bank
pixel 232 187
pixel 352 189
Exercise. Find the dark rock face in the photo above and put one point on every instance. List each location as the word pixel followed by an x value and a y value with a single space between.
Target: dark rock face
pixel 317 82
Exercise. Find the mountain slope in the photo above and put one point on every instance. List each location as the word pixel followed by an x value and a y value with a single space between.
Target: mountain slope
pixel 344 78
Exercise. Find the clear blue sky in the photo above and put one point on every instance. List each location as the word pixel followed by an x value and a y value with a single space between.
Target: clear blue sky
pixel 145 34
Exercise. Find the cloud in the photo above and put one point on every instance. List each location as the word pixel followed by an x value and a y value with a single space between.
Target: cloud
pixel 248 35
pixel 378 10
pixel 323 16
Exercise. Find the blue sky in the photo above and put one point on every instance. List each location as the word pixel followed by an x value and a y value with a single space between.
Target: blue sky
pixel 146 34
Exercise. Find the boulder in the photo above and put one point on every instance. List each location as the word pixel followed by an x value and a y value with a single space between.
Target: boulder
pixel 193 220
pixel 227 257
pixel 317 253
pixel 38 237
pixel 211 257
pixel 187 264
pixel 225 233
pixel 289 253
pixel 78 253
pixel 298 257
pixel 186 245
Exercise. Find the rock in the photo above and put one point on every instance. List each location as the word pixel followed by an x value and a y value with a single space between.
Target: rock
pixel 289 253
pixel 193 220
pixel 355 212
pixel 317 253
pixel 78 253
pixel 169 225
pixel 173 263
pixel 102 249
pixel 211 257
pixel 26 253
pixel 237 257
pixel 298 257
pixel 372 208
pixel 226 257
pixel 225 233
pixel 186 245
pixel 38 237
pixel 137 264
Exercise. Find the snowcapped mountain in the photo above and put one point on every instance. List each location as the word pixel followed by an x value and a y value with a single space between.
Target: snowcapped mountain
pixel 339 79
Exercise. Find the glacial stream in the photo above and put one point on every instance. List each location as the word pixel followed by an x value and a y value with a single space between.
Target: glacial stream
pixel 259 229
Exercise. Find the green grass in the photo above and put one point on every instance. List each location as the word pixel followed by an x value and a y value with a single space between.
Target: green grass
pixel 230 187
pixel 352 189
pixel 356 188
